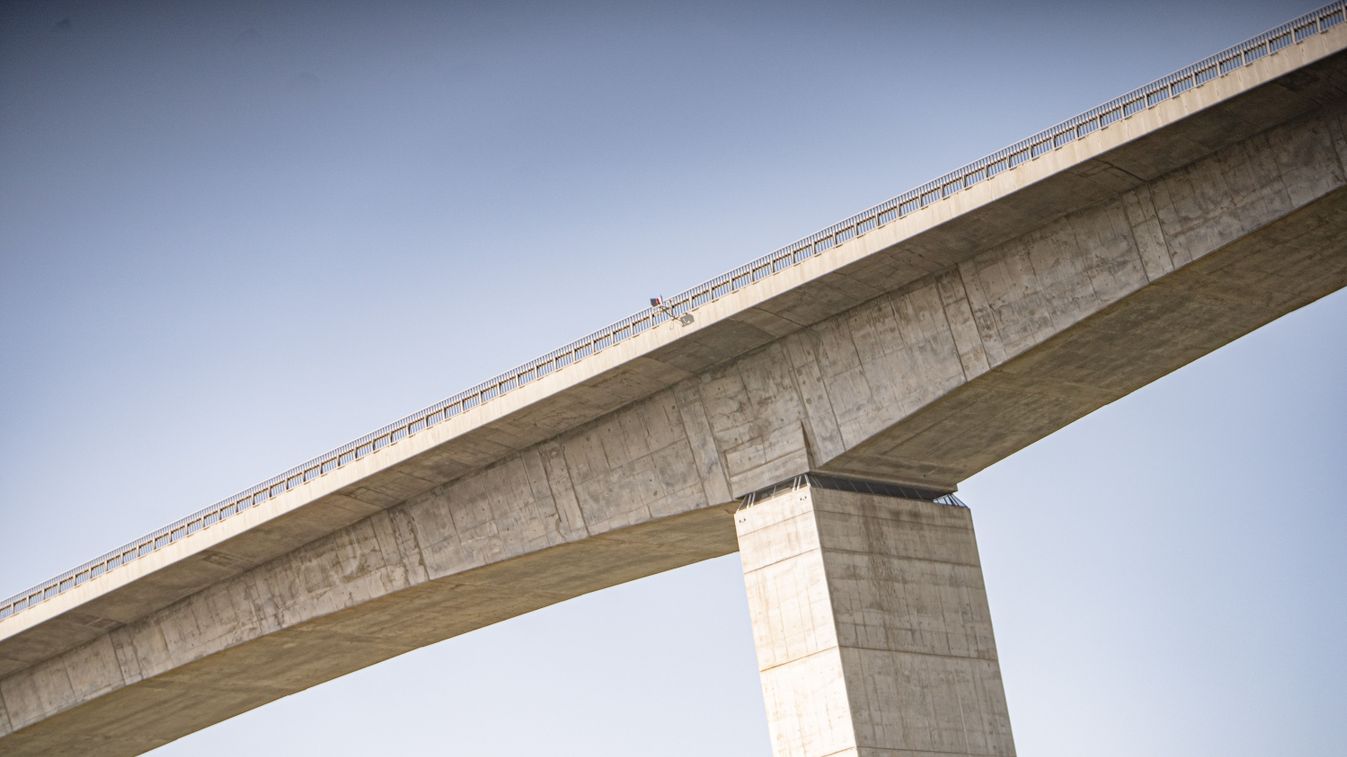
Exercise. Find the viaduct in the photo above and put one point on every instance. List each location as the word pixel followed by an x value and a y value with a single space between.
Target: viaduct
pixel 814 410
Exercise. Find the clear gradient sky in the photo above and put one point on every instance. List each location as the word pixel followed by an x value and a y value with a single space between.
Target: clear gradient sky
pixel 235 235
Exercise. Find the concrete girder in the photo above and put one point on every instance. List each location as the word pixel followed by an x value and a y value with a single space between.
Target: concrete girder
pixel 991 343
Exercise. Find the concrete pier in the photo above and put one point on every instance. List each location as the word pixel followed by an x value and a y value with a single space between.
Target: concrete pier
pixel 920 346
pixel 871 624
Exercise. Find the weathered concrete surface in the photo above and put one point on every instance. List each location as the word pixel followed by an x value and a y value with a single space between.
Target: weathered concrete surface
pixel 341 603
pixel 871 625
pixel 999 320
pixel 1098 168
pixel 1092 306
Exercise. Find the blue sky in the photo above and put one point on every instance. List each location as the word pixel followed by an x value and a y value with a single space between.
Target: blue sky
pixel 235 235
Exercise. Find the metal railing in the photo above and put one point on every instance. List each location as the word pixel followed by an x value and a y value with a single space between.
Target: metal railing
pixel 1100 117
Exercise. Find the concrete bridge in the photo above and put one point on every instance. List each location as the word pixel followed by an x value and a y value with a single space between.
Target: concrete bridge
pixel 814 412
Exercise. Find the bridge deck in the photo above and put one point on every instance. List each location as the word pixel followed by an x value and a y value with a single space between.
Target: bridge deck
pixel 1151 132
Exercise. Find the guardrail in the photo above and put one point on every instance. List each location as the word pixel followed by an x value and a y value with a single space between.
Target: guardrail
pixel 1100 117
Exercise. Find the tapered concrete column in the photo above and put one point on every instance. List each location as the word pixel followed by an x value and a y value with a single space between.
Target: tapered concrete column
pixel 871 625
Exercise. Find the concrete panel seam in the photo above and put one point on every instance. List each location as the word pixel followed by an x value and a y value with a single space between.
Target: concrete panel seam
pixel 949 328
pixel 915 653
pixel 6 726
pixel 794 660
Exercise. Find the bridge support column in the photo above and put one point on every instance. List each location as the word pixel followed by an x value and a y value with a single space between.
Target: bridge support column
pixel 871 623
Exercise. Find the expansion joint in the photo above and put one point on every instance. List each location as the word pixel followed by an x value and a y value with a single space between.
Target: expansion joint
pixel 862 486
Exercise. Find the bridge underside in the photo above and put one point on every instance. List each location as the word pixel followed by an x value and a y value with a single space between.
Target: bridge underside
pixel 925 384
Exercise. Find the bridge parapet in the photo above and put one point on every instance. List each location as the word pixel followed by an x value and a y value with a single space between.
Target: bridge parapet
pixel 915 354
pixel 1222 64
